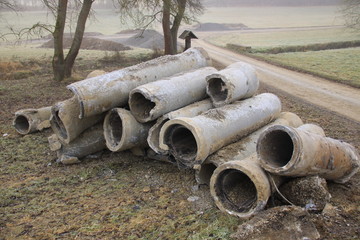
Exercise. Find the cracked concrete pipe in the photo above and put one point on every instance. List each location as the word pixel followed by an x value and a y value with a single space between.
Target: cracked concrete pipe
pixel 241 149
pixel 241 188
pixel 192 140
pixel 122 131
pixel 237 81
pixel 90 141
pixel 191 110
pixel 295 152
pixel 102 93
pixel 150 101
pixel 31 120
pixel 65 121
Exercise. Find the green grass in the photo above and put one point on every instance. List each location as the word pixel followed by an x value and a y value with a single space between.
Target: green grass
pixel 340 65
pixel 265 40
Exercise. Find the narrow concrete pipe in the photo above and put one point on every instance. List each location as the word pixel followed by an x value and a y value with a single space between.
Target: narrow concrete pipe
pixel 241 188
pixel 289 151
pixel 192 140
pixel 152 100
pixel 90 141
pixel 31 120
pixel 65 121
pixel 237 81
pixel 102 93
pixel 122 131
pixel 191 110
pixel 241 149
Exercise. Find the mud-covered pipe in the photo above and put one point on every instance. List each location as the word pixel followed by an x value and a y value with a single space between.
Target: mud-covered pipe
pixel 191 110
pixel 31 120
pixel 150 101
pixel 241 188
pixel 237 81
pixel 102 93
pixel 192 140
pixel 122 131
pixel 241 149
pixel 90 141
pixel 289 151
pixel 65 121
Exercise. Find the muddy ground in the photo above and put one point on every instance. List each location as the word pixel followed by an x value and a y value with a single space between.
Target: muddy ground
pixel 120 196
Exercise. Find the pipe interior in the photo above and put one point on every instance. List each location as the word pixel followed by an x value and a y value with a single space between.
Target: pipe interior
pixel 22 124
pixel 276 148
pixel 116 126
pixel 206 172
pixel 182 143
pixel 217 89
pixel 141 106
pixel 236 190
pixel 59 125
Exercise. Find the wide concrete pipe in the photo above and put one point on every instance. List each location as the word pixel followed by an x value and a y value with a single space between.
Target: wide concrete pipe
pixel 192 140
pixel 65 121
pixel 191 110
pixel 122 131
pixel 90 141
pixel 31 120
pixel 150 101
pixel 289 151
pixel 237 81
pixel 241 188
pixel 241 149
pixel 102 93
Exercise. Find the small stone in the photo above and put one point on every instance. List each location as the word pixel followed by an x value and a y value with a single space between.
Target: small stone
pixel 195 188
pixel 193 198
pixel 146 189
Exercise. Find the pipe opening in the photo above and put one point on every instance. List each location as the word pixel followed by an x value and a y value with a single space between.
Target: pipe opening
pixel 182 143
pixel 115 130
pixel 59 125
pixel 206 172
pixel 22 124
pixel 276 148
pixel 217 89
pixel 141 106
pixel 236 190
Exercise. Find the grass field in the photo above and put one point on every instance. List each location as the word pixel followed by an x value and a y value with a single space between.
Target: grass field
pixel 340 65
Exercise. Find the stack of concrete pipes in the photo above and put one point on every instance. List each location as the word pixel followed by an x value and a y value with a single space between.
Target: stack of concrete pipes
pixel 180 110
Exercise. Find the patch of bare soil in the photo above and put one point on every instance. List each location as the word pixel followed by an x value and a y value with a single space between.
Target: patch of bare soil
pixel 91 44
pixel 121 196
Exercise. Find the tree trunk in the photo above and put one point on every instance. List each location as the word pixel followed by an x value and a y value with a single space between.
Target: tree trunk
pixel 181 5
pixel 79 33
pixel 58 62
pixel 166 27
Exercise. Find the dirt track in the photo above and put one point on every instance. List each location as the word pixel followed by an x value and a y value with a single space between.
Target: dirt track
pixel 335 97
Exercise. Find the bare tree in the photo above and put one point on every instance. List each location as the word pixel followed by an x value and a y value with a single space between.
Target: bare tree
pixel 171 13
pixel 62 65
pixel 351 13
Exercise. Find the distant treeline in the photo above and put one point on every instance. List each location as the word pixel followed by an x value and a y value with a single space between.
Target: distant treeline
pixel 228 3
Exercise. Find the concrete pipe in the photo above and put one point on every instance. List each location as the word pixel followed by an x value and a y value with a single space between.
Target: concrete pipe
pixel 192 140
pixel 191 110
pixel 102 93
pixel 65 121
pixel 241 188
pixel 122 131
pixel 241 149
pixel 237 81
pixel 31 120
pixel 90 141
pixel 294 152
pixel 150 101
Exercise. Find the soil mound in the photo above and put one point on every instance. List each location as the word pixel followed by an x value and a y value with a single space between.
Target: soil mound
pixel 219 26
pixel 146 39
pixel 91 44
